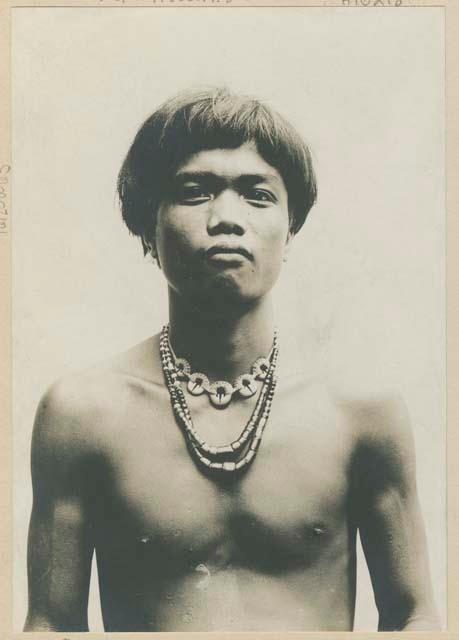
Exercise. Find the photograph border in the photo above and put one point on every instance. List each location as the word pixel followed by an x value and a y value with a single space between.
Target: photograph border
pixel 451 16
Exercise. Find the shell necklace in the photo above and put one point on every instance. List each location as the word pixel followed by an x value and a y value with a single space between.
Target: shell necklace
pixel 240 453
pixel 221 392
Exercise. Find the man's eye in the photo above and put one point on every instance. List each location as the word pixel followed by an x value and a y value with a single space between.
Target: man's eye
pixel 193 195
pixel 259 197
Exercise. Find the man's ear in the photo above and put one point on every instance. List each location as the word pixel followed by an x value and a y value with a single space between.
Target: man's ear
pixel 288 244
pixel 149 246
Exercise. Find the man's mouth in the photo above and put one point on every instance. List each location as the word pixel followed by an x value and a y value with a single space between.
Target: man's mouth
pixel 227 251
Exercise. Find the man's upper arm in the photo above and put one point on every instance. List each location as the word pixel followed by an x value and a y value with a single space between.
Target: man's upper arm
pixel 60 542
pixel 389 518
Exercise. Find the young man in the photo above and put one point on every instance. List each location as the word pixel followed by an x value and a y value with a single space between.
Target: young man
pixel 214 498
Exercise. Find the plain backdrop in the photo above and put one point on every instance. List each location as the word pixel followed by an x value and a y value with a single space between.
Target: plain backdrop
pixel 364 288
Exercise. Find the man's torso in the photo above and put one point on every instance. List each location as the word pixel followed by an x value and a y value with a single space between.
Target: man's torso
pixel 273 549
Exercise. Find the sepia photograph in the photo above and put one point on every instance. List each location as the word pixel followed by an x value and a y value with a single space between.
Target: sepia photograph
pixel 229 325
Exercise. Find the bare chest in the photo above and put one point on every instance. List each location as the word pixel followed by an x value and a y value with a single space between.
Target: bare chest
pixel 287 511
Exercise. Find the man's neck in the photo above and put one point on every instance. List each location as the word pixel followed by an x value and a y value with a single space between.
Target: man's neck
pixel 222 346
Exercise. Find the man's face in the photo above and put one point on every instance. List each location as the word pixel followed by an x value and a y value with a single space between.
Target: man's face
pixel 223 230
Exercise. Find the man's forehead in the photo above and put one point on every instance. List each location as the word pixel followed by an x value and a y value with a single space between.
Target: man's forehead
pixel 229 163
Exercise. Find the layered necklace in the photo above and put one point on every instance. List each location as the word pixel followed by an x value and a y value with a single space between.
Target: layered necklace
pixel 240 453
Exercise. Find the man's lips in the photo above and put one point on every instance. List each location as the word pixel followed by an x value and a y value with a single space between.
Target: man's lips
pixel 229 250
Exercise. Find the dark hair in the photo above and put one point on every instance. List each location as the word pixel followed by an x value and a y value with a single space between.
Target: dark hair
pixel 210 119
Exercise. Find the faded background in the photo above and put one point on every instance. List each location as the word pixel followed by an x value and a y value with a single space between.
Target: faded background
pixel 363 289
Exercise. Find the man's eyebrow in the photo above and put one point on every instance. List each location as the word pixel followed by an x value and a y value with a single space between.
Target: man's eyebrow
pixel 251 178
pixel 183 176
pixel 255 178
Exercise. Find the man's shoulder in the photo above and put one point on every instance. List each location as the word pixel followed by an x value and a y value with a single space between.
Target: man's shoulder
pixel 383 448
pixel 371 411
pixel 140 362
pixel 80 405
pixel 377 415
pixel 368 407
pixel 348 389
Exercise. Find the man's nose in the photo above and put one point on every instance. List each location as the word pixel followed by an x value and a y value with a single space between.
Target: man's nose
pixel 226 214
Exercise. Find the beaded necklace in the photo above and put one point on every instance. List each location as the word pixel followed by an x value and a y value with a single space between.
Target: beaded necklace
pixel 240 453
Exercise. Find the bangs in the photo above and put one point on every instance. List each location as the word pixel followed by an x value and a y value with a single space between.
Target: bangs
pixel 226 121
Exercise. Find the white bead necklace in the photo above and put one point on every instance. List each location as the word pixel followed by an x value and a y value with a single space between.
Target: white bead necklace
pixel 240 453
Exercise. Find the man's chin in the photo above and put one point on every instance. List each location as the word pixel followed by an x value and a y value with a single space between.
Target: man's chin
pixel 222 294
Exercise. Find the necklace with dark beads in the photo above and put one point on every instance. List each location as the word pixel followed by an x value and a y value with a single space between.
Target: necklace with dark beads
pixel 240 453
